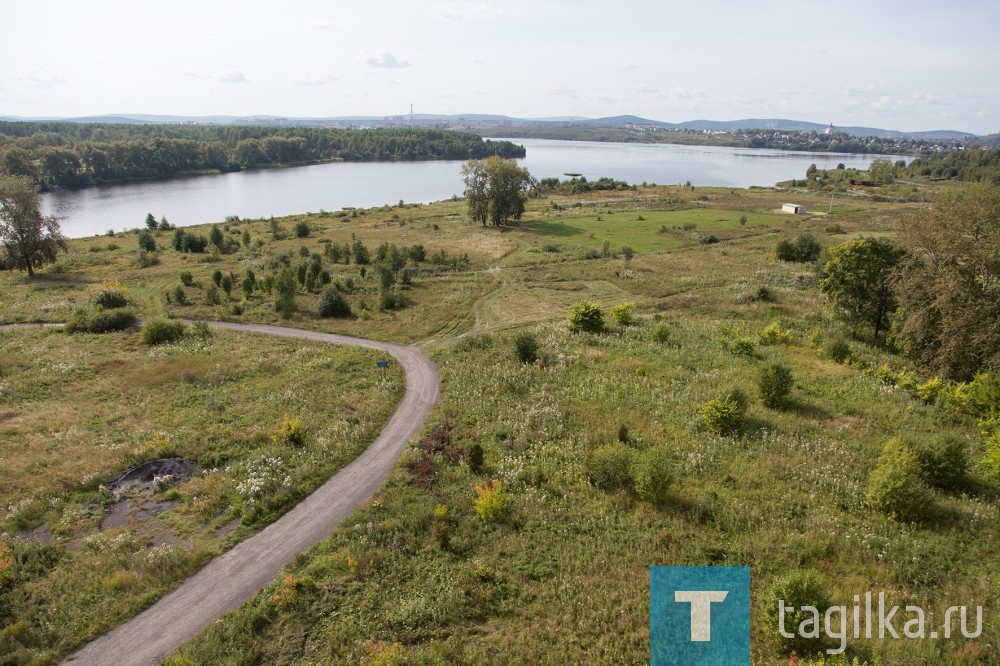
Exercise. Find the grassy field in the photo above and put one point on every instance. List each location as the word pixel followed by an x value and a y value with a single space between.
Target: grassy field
pixel 77 410
pixel 418 576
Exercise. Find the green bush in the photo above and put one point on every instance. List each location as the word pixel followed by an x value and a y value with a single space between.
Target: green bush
pixel 146 241
pixel 331 303
pixel 212 295
pixel 586 317
pixel 896 486
pixel 609 467
pixel 774 383
pixel 725 415
pixel 774 334
pixel 796 589
pixel 110 298
pixel 991 458
pixel 158 330
pixel 186 278
pixel 652 474
pixel 302 229
pixel 944 461
pixel 525 347
pixel 86 320
pixel 622 314
pixel 805 248
pixel 180 297
pixel 661 332
pixel 837 349
pixel 492 503
pixel 391 300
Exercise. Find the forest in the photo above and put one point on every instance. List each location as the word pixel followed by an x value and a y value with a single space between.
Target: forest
pixel 60 154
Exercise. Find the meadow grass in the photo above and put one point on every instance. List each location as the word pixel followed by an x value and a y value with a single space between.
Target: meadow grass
pixel 79 409
pixel 416 576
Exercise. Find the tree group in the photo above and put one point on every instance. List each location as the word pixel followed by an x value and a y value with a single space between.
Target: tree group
pixel 495 189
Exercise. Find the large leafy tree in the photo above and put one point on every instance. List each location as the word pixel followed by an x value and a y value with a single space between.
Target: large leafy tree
pixel 29 240
pixel 858 281
pixel 950 288
pixel 495 189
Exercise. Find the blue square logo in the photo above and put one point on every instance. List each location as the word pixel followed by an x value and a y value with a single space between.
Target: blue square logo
pixel 699 616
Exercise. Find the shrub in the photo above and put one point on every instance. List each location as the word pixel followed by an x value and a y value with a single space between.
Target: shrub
pixel 179 296
pixel 774 334
pixel 609 467
pixel 212 295
pixel 525 347
pixel 725 415
pixel 217 277
pixel 146 259
pixel 622 314
pixel 586 317
pixel 302 229
pixel 805 248
pixel 652 474
pixel 796 589
pixel 627 253
pixel 774 383
pixel 86 320
pixel 291 431
pixel 187 279
pixel 492 503
pixel 930 390
pixel 160 330
pixel 661 332
pixel 146 241
pixel 896 486
pixel 944 461
pixel 331 303
pixel 710 239
pixel 837 349
pixel 391 300
pixel 991 459
pixel 109 298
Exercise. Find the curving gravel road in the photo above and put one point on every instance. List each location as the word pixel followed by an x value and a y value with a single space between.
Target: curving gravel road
pixel 231 579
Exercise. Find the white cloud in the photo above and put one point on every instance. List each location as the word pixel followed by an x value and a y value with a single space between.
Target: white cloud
pixel 323 25
pixel 646 89
pixel 313 79
pixel 38 78
pixel 682 93
pixel 232 76
pixel 562 91
pixel 607 97
pixel 470 11
pixel 381 58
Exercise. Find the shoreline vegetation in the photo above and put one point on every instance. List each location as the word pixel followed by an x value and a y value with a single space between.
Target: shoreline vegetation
pixel 74 155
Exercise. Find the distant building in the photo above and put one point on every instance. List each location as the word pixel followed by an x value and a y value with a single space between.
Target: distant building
pixel 793 209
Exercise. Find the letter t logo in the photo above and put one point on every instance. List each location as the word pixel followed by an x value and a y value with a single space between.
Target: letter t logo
pixel 701 611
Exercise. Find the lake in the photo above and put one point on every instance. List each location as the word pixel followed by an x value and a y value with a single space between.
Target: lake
pixel 262 193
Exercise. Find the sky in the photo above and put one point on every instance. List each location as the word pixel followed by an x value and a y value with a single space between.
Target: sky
pixel 906 65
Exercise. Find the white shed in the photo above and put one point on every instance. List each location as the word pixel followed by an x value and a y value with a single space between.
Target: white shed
pixel 793 209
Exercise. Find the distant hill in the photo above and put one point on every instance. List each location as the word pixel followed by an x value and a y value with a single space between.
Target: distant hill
pixel 479 120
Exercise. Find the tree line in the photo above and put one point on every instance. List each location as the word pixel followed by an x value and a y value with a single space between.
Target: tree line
pixel 60 154
pixel 973 165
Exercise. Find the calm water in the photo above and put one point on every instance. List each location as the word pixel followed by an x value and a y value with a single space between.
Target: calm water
pixel 201 199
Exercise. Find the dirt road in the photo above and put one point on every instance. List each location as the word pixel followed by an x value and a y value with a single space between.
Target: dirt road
pixel 234 577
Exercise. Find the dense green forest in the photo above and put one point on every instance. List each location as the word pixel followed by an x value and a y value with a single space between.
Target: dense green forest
pixel 971 165
pixel 59 154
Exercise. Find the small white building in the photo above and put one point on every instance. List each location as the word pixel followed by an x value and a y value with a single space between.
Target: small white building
pixel 793 209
